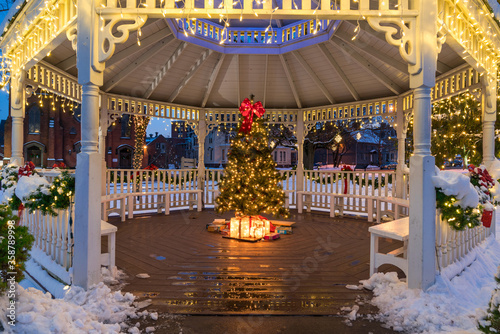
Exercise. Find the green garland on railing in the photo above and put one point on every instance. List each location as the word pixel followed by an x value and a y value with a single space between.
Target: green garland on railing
pixel 457 217
pixel 57 196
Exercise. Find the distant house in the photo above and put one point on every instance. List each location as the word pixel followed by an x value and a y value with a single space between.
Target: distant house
pixel 218 143
pixel 164 152
pixel 372 147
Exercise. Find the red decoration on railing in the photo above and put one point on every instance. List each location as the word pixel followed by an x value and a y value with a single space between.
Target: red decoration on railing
pixel 60 165
pixel 247 110
pixel 27 169
pixel 348 169
pixel 151 167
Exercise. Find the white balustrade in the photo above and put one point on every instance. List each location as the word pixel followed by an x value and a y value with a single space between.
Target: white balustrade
pixel 452 246
pixel 53 234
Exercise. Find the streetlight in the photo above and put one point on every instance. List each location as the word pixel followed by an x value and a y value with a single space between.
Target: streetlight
pixel 358 137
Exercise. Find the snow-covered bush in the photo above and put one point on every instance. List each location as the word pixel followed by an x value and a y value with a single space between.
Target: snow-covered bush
pixel 15 244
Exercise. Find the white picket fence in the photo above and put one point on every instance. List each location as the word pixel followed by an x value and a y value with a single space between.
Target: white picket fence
pixel 53 234
pixel 453 246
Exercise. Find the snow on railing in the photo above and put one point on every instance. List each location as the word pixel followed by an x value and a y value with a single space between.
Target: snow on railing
pixel 53 234
pixel 452 246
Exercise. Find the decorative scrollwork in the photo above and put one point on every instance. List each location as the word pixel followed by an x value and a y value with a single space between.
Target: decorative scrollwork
pixel 401 34
pixel 71 34
pixel 107 40
pixel 30 90
pixel 194 126
pixel 308 127
pixel 113 117
pixel 489 91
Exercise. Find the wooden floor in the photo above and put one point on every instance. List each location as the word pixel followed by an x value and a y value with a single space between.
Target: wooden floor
pixel 193 271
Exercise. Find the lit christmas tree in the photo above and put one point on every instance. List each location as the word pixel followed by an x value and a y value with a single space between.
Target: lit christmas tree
pixel 249 185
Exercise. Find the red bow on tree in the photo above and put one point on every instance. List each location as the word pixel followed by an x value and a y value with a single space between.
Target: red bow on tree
pixel 247 109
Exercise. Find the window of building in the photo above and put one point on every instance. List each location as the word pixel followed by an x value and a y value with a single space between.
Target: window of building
pixel 210 139
pixel 72 131
pixel 34 120
pixel 223 155
pixel 275 156
pixel 211 152
pixel 163 148
pixel 284 156
pixel 126 125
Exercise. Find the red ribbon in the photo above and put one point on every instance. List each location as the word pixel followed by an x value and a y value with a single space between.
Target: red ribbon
pixel 247 110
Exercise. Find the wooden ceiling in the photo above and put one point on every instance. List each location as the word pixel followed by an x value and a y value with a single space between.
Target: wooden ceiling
pixel 340 70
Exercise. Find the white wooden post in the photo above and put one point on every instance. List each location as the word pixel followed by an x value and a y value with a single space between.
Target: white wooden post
pixel 489 106
pixel 103 131
pixel 401 135
pixel 202 134
pixel 300 150
pixel 88 170
pixel 17 106
pixel 422 235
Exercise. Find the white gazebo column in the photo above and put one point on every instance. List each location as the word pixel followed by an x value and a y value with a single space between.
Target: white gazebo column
pixel 401 136
pixel 202 134
pixel 103 131
pixel 17 106
pixel 422 237
pixel 299 130
pixel 87 251
pixel 489 113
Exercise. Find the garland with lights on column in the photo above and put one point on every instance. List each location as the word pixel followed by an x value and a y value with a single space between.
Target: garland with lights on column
pixel 250 182
pixel 140 125
pixel 56 196
pixel 460 217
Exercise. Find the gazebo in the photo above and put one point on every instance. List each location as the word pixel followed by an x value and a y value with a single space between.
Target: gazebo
pixel 307 61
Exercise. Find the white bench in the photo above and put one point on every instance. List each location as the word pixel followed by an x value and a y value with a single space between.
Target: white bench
pixel 398 230
pixel 373 203
pixel 164 201
pixel 106 210
pixel 336 202
pixel 126 201
pixel 108 259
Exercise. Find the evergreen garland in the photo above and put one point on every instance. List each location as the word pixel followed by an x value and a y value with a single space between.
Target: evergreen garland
pixel 457 217
pixel 57 196
pixel 12 254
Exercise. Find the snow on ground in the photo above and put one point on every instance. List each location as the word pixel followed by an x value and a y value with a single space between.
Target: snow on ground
pixel 98 310
pixel 449 306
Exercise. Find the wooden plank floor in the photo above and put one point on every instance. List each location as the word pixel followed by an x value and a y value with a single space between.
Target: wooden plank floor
pixel 196 272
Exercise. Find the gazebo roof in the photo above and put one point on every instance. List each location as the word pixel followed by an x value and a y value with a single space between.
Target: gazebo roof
pixel 367 68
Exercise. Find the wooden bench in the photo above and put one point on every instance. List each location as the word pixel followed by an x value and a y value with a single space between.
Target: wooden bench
pixel 105 210
pixel 126 201
pixel 373 203
pixel 108 259
pixel 398 230
pixel 164 201
pixel 336 202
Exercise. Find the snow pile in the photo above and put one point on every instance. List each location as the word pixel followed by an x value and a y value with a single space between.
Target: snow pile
pixel 26 186
pixel 97 310
pixel 447 306
pixel 458 185
pixel 494 169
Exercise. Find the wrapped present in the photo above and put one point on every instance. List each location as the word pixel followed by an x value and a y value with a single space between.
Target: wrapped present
pixel 224 232
pixel 213 228
pixel 219 222
pixel 272 236
pixel 284 230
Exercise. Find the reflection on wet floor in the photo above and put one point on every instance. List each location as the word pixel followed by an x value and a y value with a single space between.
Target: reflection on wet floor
pixel 196 272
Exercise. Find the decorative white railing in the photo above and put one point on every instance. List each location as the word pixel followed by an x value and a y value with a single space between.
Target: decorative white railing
pixel 253 36
pixel 453 246
pixel 149 183
pixel 53 234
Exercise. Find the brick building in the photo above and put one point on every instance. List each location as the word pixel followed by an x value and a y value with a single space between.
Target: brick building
pixel 164 152
pixel 52 134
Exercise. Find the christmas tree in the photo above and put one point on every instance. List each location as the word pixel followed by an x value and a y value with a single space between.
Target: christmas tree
pixel 249 185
